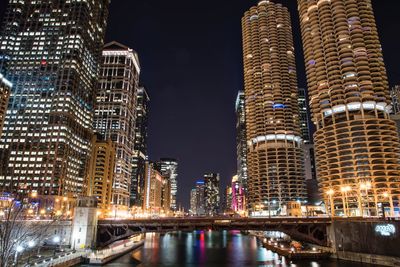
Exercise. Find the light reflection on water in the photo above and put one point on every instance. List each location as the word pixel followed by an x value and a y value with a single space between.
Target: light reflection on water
pixel 210 249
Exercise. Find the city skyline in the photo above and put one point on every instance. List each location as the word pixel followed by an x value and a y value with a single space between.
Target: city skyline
pixel 276 121
pixel 194 164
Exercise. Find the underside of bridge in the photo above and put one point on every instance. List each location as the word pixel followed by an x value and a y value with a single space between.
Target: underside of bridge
pixel 310 231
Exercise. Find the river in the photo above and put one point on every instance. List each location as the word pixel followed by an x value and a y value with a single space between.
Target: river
pixel 211 249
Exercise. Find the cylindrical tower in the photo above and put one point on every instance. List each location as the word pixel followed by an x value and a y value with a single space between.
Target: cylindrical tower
pixel 357 148
pixel 275 156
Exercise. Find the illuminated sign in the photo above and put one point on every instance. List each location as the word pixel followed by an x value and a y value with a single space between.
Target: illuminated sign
pixel 385 229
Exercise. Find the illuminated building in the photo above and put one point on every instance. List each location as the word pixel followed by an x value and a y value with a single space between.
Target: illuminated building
pixel 241 139
pixel 275 153
pixel 5 89
pixel 395 97
pixel 115 113
pixel 356 144
pixel 166 196
pixel 238 196
pixel 309 154
pixel 140 151
pixel 193 201
pixel 168 167
pixel 313 193
pixel 227 199
pixel 50 50
pixel 211 193
pixel 395 115
pixel 101 172
pixel 304 116
pixel 153 190
pixel 200 198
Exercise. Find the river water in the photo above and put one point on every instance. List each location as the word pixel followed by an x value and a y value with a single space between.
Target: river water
pixel 211 249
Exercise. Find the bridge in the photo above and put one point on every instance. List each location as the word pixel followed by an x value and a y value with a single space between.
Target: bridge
pixel 311 230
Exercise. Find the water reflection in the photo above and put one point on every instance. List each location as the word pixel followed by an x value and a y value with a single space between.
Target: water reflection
pixel 210 249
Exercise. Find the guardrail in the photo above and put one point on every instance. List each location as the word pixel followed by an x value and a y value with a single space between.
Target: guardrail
pixel 58 259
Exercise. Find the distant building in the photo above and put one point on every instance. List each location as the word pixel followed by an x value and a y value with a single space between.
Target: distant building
pixel 227 200
pixel 212 198
pixel 166 196
pixel 140 148
pixel 101 173
pixel 168 167
pixel 115 113
pixel 200 198
pixel 153 192
pixel 238 196
pixel 193 202
pixel 395 96
pixel 5 90
pixel 241 138
pixel 395 115
pixel 311 174
pixel 304 116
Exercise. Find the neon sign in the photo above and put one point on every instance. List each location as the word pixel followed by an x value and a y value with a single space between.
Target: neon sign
pixel 385 229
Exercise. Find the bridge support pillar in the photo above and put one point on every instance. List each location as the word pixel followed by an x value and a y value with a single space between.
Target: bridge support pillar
pixel 84 226
pixel 331 236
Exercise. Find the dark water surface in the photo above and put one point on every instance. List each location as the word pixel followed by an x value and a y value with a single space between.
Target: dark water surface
pixel 211 249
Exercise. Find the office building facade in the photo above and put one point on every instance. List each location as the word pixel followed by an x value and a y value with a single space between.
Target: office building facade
pixel 168 167
pixel 100 173
pixel 140 152
pixel 275 153
pixel 153 192
pixel 241 138
pixel 50 50
pixel 211 193
pixel 356 144
pixel 115 113
pixel 5 90
pixel 304 116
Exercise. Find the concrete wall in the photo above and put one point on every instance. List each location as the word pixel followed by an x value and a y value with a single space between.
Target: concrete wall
pixel 367 237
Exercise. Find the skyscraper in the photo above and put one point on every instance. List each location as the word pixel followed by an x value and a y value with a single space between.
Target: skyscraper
pixel 238 197
pixel 304 127
pixel 140 152
pixel 241 140
pixel 115 113
pixel 100 173
pixel 5 90
pixel 357 148
pixel 211 193
pixel 153 190
pixel 50 50
pixel 395 96
pixel 275 155
pixel 200 198
pixel 168 167
pixel 193 201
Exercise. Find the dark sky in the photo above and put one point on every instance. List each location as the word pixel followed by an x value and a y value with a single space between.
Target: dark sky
pixel 191 58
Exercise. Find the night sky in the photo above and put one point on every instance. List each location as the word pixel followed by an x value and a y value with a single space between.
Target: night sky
pixel 191 59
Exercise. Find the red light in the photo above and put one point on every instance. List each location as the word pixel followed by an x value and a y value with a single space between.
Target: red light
pixel 44 62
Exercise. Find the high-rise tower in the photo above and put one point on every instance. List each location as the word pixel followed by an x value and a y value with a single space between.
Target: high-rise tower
pixel 211 193
pixel 357 148
pixel 50 50
pixel 241 140
pixel 140 151
pixel 115 113
pixel 168 167
pixel 275 156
